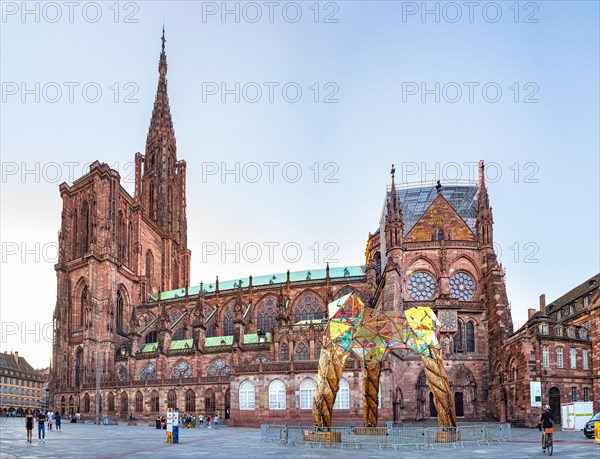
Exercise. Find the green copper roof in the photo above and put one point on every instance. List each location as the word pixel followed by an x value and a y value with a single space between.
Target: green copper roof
pixel 182 344
pixel 149 347
pixel 216 341
pixel 252 338
pixel 295 276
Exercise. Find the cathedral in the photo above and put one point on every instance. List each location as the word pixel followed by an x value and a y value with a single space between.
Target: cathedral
pixel 129 326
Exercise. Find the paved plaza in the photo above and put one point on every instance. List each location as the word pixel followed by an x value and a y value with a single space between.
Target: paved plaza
pixel 90 441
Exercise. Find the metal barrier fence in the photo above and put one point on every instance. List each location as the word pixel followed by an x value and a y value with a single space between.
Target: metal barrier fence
pixel 382 437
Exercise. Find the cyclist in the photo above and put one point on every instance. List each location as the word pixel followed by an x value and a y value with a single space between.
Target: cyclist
pixel 547 423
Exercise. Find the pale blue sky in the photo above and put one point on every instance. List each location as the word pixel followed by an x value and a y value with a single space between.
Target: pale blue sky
pixel 369 53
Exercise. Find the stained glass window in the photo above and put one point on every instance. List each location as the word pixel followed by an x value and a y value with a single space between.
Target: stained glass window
pixel 182 369
pixel 122 373
pixel 308 308
pixel 284 353
pixel 154 399
pixel 218 368
pixel 265 320
pixel 139 402
pixel 190 400
pixel 421 286
pixel 171 399
pixel 301 352
pixel 470 337
pixel 458 341
pixel 228 320
pixel 462 286
pixel 148 372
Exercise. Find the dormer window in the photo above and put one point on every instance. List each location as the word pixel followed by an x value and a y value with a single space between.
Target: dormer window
pixel 544 329
pixel 586 301
pixel 571 309
pixel 559 315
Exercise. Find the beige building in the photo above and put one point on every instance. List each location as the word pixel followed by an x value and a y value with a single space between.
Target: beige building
pixel 21 386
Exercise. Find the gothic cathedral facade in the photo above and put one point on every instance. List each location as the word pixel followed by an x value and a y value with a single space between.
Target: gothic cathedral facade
pixel 128 319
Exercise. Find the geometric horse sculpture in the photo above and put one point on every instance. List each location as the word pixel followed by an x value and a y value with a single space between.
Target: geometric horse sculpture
pixel 369 334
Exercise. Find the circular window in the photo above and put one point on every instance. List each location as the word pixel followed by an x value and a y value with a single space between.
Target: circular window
pixel 421 286
pixel 462 286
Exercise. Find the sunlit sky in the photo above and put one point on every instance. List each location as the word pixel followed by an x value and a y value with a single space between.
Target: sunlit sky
pixel 539 135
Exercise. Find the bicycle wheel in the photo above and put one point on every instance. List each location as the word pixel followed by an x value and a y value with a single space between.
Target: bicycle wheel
pixel 550 445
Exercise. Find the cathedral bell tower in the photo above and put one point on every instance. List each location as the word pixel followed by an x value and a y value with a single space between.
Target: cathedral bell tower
pixel 160 181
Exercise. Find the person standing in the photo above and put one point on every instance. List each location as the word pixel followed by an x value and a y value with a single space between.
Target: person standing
pixel 216 421
pixel 201 419
pixel 29 424
pixel 49 415
pixel 57 420
pixel 42 426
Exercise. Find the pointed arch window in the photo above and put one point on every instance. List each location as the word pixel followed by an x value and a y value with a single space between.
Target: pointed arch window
pixel 309 307
pixel 151 337
pixel 111 402
pixel 209 401
pixel 301 352
pixel 458 338
pixel 148 372
pixel 190 401
pixel 440 234
pixel 149 268
pixel 182 369
pixel 154 401
pixel 171 399
pixel 86 403
pixel 228 320
pixel 470 337
pixel 179 334
pixel 139 402
pixel 284 353
pixel 124 402
pixel 119 310
pixel 265 320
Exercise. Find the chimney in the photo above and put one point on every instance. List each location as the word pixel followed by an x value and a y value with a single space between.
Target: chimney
pixel 543 303
pixel 16 355
pixel 530 313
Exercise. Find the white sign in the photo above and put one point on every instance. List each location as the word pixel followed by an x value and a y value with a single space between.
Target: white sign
pixel 535 389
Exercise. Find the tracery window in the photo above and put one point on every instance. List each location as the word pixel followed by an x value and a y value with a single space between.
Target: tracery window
pixel 462 286
pixel 139 402
pixel 301 352
pixel 171 399
pixel 308 307
pixel 148 372
pixel 122 373
pixel 182 369
pixel 154 401
pixel 190 401
pixel 111 402
pixel 266 314
pixel 218 367
pixel 421 286
pixel 284 353
pixel 119 310
pixel 124 402
pixel 470 337
pixel 228 321
pixel 458 340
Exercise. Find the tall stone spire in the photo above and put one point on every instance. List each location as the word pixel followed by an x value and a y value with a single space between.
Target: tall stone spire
pixel 485 218
pixel 160 185
pixel 394 226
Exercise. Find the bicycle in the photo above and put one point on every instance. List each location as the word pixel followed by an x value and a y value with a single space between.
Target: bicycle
pixel 549 443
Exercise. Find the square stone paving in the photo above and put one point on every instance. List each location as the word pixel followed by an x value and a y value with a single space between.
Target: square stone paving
pixel 122 441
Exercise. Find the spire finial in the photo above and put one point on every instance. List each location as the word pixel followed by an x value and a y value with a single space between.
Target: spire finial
pixel 163 37
pixel 393 172
pixel 438 187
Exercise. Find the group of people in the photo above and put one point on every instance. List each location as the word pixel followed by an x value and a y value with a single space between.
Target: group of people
pixel 190 421
pixel 42 418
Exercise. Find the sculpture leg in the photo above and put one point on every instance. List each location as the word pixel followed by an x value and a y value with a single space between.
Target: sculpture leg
pixel 440 388
pixel 371 372
pixel 328 384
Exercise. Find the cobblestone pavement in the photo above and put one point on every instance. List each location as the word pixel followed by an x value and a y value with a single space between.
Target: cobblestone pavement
pixel 90 441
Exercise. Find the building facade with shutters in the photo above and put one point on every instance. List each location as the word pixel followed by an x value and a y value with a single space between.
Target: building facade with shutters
pixel 128 319
pixel 21 386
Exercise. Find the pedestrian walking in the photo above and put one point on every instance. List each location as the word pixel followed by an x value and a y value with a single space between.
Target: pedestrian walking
pixel 216 421
pixel 29 424
pixel 42 427
pixel 57 420
pixel 201 420
pixel 49 416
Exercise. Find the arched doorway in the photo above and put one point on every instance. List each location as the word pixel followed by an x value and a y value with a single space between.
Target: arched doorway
pixel 554 402
pixel 227 403
pixel 398 405
pixel 432 409
pixel 459 404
